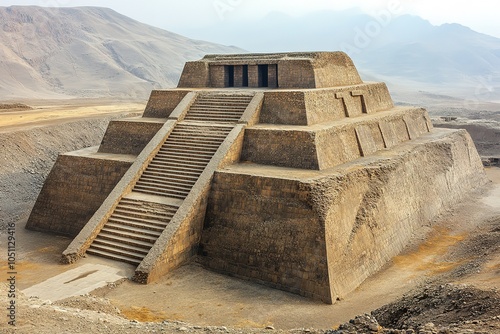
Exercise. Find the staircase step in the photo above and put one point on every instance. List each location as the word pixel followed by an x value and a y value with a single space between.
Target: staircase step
pixel 179 148
pixel 163 188
pixel 165 211
pixel 188 160
pixel 141 214
pixel 199 128
pixel 191 146
pixel 175 166
pixel 157 225
pixel 146 206
pixel 181 157
pixel 212 119
pixel 236 101
pixel 193 142
pixel 196 140
pixel 215 110
pixel 120 246
pixel 118 257
pixel 191 158
pixel 176 169
pixel 171 173
pixel 137 229
pixel 163 185
pixel 230 98
pixel 204 132
pixel 189 142
pixel 170 180
pixel 190 135
pixel 126 239
pixel 175 158
pixel 160 193
pixel 106 231
pixel 174 151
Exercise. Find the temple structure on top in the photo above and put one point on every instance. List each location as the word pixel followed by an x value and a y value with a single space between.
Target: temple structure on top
pixel 286 70
pixel 286 169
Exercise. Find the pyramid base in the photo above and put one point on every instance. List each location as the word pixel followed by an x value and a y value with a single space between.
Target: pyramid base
pixel 320 234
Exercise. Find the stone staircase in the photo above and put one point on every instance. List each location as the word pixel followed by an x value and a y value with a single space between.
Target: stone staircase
pixel 181 159
pixel 219 109
pixel 132 230
pixel 141 216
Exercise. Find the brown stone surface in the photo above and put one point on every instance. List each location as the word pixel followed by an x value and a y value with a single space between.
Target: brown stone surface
pixel 129 136
pixel 320 234
pixel 294 70
pixel 75 188
pixel 309 107
pixel 162 102
pixel 329 144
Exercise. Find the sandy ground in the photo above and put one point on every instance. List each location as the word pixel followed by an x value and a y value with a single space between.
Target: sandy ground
pixel 54 112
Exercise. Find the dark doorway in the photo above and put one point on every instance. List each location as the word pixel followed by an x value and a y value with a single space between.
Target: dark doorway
pixel 245 76
pixel 229 75
pixel 263 75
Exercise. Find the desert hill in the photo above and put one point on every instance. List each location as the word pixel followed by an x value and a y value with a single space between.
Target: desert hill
pixel 89 52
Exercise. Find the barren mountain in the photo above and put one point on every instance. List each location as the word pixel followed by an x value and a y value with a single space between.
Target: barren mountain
pixel 89 52
pixel 405 51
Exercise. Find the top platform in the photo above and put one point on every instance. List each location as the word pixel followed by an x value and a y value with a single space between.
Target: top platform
pixel 273 70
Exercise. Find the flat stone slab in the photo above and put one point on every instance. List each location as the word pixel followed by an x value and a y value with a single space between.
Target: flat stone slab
pixel 75 282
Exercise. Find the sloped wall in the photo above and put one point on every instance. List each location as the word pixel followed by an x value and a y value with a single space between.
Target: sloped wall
pixel 321 234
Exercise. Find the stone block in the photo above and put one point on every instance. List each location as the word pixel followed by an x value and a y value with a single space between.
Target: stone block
pixel 75 188
pixel 129 136
pixel 162 102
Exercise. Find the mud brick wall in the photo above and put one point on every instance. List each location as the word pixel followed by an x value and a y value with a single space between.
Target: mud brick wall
pixel 162 102
pixel 195 75
pixel 290 234
pixel 280 148
pixel 334 143
pixel 296 74
pixel 371 210
pixel 73 191
pixel 128 137
pixel 264 229
pixel 309 107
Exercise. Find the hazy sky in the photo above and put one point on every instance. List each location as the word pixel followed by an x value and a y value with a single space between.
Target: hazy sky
pixel 174 15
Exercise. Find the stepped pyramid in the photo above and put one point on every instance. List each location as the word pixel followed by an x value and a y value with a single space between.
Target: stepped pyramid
pixel 285 169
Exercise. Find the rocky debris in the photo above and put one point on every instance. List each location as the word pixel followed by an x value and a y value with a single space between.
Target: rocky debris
pixel 441 309
pixel 14 106
pixel 90 303
pixel 360 324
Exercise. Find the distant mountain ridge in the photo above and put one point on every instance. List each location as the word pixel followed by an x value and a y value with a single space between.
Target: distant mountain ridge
pixel 402 50
pixel 89 52
pixel 96 52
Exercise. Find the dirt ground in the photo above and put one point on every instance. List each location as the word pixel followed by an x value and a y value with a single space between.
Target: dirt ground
pixel 43 113
pixel 446 281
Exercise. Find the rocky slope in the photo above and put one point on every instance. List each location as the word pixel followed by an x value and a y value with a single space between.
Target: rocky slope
pixel 88 52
